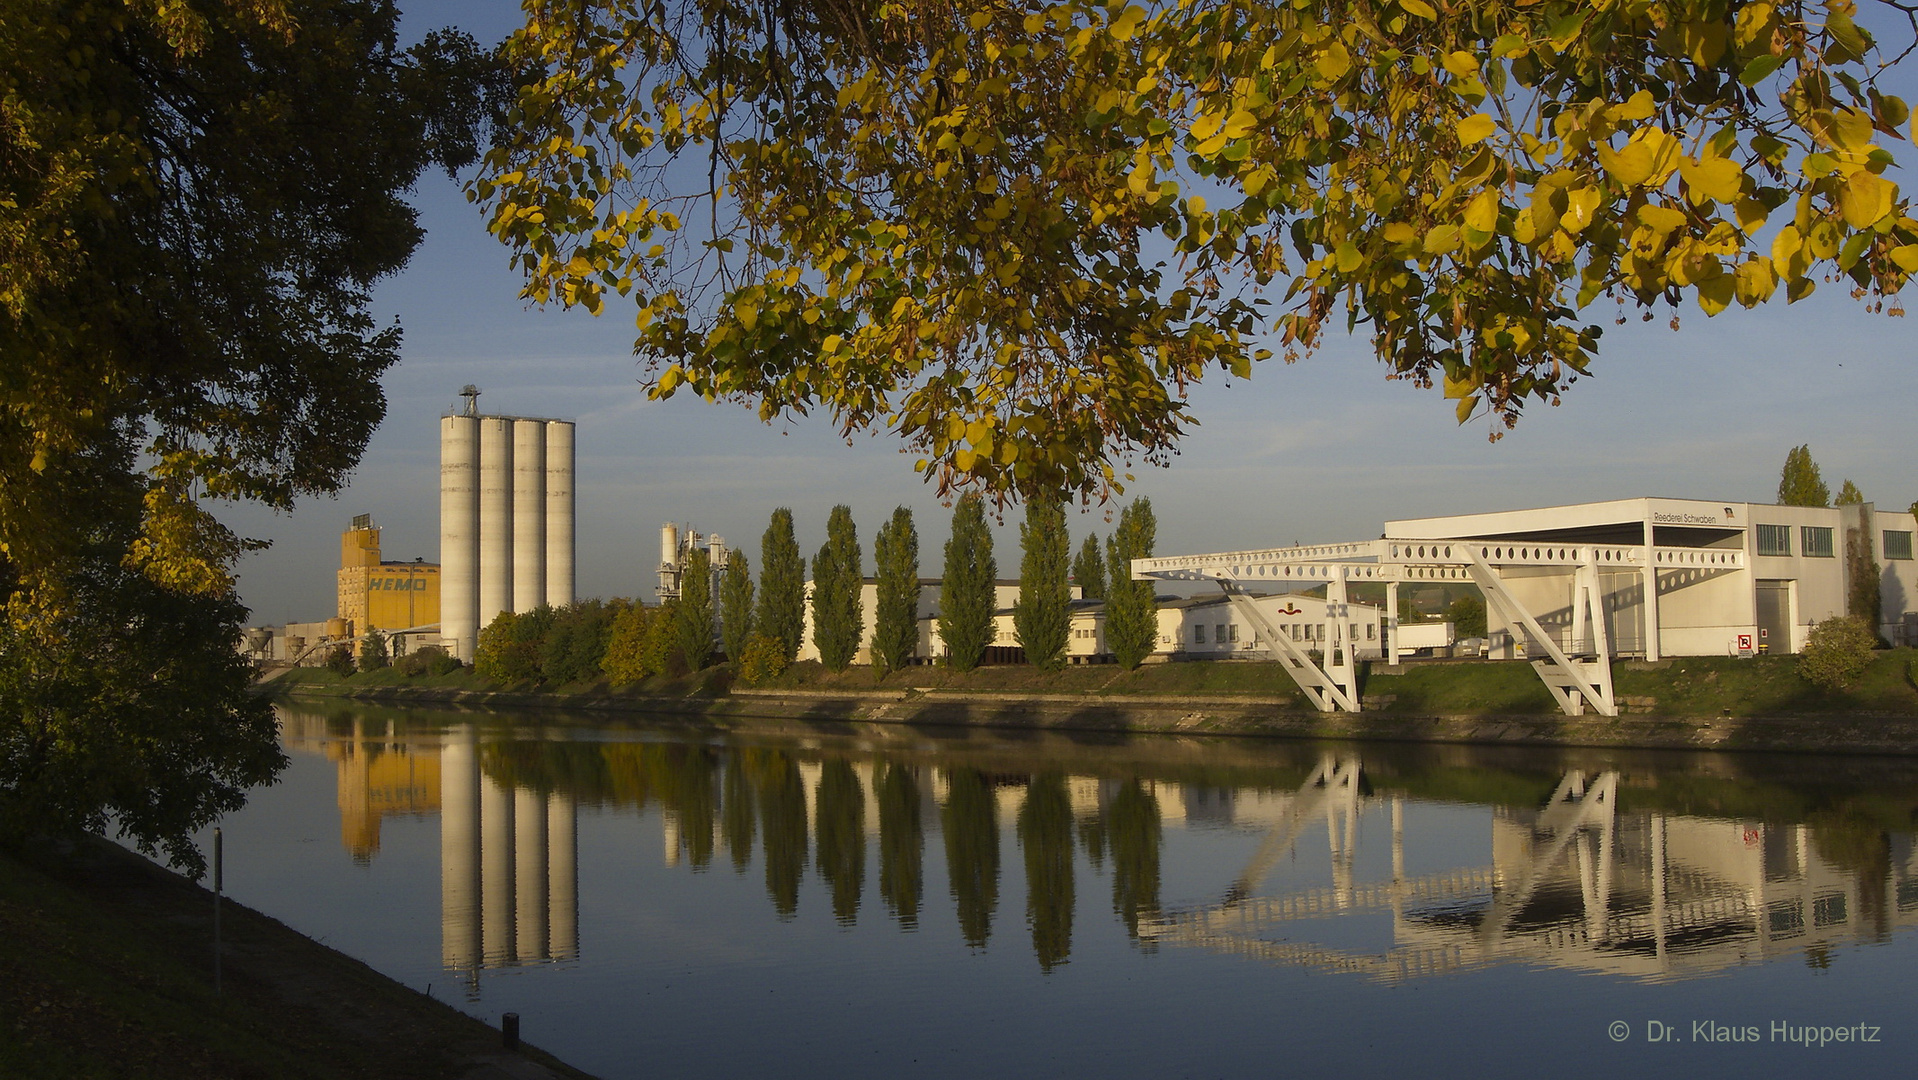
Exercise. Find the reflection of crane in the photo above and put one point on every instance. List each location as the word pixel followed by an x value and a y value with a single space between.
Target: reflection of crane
pixel 1570 813
pixel 1331 790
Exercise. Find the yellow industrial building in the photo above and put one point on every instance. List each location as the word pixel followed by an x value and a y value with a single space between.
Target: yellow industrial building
pixel 386 596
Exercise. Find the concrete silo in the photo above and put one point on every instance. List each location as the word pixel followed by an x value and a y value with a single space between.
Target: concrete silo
pixel 496 517
pixel 459 533
pixel 506 519
pixel 559 513
pixel 529 514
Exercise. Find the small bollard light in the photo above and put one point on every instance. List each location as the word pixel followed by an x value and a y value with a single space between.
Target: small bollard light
pixel 509 1030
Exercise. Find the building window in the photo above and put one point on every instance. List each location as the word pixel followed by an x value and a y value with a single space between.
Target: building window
pixel 1198 633
pixel 1295 631
pixel 1232 632
pixel 1774 540
pixel 1218 633
pixel 1816 541
pixel 1370 630
pixel 1897 545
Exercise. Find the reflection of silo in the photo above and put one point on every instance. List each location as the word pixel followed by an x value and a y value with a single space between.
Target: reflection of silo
pixel 496 517
pixel 460 850
pixel 529 873
pixel 529 514
pixel 459 533
pixel 559 513
pixel 562 888
pixel 496 871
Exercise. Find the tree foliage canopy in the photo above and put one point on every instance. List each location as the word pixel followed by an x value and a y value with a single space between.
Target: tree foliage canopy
pixel 967 590
pixel 1042 618
pixel 781 613
pixel 895 636
pixel 1799 482
pixel 196 199
pixel 1017 233
pixel 837 619
pixel 1132 613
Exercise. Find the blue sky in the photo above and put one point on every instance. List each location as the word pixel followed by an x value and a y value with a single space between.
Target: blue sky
pixel 1324 449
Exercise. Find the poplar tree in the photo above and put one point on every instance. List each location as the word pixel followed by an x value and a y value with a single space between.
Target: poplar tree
pixel 1800 483
pixel 895 550
pixel 1089 569
pixel 736 606
pixel 966 592
pixel 837 620
pixel 1849 495
pixel 781 614
pixel 1132 618
pixel 693 624
pixel 1041 619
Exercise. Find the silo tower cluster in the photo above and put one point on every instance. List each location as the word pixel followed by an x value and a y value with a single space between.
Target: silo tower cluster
pixel 506 519
pixel 675 548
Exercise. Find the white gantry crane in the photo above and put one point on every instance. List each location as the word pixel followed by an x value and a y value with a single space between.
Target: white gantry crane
pixel 1577 670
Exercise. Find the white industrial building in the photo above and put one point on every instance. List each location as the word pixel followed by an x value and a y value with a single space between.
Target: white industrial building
pixel 506 519
pixel 1209 628
pixel 1572 587
pixel 1791 569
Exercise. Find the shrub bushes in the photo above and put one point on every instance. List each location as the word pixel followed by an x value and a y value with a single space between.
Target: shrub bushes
pixel 1837 652
pixel 764 659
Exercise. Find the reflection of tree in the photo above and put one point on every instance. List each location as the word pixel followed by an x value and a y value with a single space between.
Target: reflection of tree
pixel 1045 832
pixel 972 852
pixel 736 812
pixel 1092 837
pixel 689 789
pixel 902 843
pixel 842 836
pixel 782 810
pixel 1133 830
pixel 1859 847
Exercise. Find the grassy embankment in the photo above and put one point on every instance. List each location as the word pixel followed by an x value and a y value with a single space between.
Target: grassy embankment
pixel 107 972
pixel 1691 686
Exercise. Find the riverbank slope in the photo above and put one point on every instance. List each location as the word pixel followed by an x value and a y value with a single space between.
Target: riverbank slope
pixel 1690 703
pixel 107 972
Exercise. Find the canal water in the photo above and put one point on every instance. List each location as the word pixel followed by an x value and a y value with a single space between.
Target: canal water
pixel 841 899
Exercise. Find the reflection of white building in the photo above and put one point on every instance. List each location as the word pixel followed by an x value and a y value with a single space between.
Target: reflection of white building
pixel 1573 884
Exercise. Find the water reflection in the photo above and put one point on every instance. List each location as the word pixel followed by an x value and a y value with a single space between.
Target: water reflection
pixel 1642 871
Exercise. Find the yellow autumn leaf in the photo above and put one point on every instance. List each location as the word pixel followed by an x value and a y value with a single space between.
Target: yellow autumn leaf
pixel 1660 219
pixel 1240 124
pixel 1714 177
pixel 1127 23
pixel 1786 244
pixel 1398 232
pixel 1715 294
pixel 1755 282
pixel 1906 257
pixel 1442 239
pixel 1482 212
pixel 1865 198
pixel 1333 62
pixel 1580 205
pixel 1349 257
pixel 1851 129
pixel 1420 8
pixel 1475 128
pixel 1638 107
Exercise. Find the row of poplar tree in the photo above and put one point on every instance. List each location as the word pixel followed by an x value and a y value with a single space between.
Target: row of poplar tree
pixel 761 625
